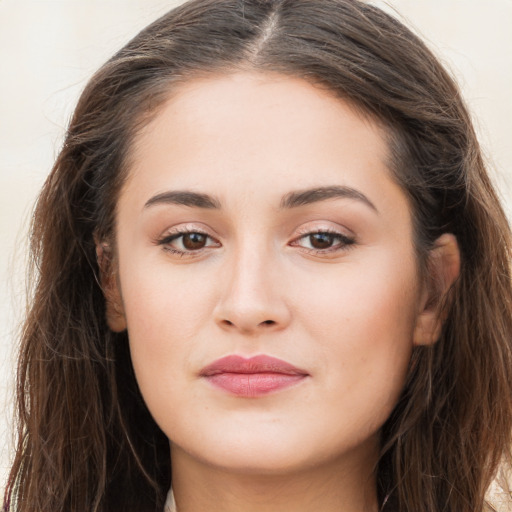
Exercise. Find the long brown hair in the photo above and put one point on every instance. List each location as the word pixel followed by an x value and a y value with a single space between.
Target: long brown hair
pixel 86 439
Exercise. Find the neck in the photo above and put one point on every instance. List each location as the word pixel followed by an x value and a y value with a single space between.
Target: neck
pixel 348 485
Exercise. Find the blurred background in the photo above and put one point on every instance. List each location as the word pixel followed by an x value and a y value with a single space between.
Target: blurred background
pixel 49 48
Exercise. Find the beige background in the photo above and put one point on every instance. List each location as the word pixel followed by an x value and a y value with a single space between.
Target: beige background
pixel 48 49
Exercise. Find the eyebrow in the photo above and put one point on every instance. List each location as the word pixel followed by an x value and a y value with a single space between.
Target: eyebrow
pixel 291 200
pixel 314 195
pixel 184 198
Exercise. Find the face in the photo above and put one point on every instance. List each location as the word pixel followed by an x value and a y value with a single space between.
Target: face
pixel 266 275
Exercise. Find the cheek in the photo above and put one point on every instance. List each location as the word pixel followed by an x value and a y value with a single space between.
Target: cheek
pixel 166 311
pixel 375 294
pixel 164 326
pixel 162 302
pixel 363 323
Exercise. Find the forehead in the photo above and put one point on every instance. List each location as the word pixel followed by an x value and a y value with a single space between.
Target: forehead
pixel 258 97
pixel 256 120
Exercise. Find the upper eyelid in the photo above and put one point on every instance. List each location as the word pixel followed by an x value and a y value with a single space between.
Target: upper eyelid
pixel 181 232
pixel 303 230
pixel 346 238
pixel 341 231
pixel 183 229
pixel 309 231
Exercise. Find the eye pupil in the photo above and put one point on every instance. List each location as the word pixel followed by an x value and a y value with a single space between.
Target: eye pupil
pixel 321 240
pixel 193 241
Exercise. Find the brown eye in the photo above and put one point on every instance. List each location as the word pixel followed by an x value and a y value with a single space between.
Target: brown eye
pixel 322 240
pixel 194 241
pixel 188 242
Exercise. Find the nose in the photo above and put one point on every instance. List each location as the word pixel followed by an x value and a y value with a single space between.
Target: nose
pixel 253 296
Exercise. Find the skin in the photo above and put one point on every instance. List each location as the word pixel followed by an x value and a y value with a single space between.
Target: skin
pixel 349 312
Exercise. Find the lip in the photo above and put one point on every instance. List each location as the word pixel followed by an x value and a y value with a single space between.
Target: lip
pixel 252 377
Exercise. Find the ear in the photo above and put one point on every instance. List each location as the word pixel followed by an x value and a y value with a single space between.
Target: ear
pixel 443 270
pixel 114 312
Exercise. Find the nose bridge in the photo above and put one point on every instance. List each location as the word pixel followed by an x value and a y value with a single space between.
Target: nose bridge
pixel 251 269
pixel 252 298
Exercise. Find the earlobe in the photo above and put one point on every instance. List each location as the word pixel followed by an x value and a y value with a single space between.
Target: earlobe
pixel 444 269
pixel 114 310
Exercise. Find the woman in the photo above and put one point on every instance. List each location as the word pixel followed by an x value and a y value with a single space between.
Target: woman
pixel 270 259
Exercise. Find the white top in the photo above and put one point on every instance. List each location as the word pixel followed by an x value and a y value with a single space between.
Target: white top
pixel 170 504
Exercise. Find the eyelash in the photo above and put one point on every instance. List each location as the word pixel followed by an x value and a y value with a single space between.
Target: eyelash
pixel 344 242
pixel 166 242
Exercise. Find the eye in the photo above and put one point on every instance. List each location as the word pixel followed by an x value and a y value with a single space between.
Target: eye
pixel 323 241
pixel 193 241
pixel 187 242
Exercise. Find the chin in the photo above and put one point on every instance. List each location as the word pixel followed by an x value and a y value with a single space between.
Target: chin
pixel 274 452
pixel 254 462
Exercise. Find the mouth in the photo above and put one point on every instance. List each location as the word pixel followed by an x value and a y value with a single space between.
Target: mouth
pixel 253 377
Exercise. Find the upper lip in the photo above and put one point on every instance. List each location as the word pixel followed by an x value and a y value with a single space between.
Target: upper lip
pixel 256 364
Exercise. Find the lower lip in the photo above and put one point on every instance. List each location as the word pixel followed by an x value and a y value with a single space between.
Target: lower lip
pixel 253 385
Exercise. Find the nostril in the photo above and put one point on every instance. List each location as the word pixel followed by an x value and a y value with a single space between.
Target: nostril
pixel 228 323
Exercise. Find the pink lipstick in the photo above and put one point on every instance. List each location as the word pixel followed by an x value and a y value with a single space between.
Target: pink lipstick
pixel 253 377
